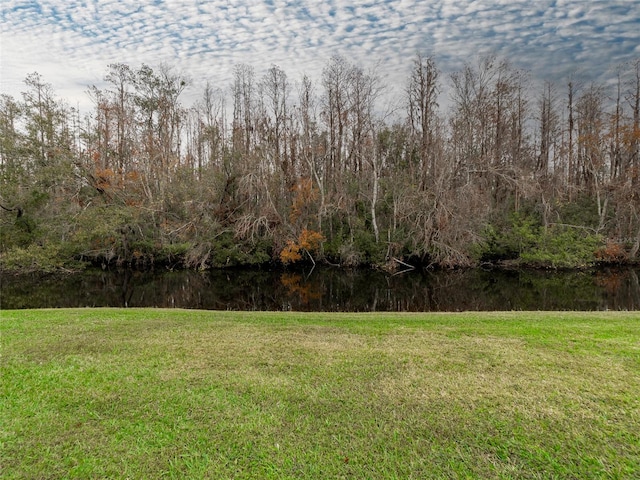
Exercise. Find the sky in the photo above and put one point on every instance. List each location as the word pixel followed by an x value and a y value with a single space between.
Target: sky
pixel 72 42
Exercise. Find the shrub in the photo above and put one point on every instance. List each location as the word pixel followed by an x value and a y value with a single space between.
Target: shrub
pixel 308 241
pixel 507 242
pixel 526 240
pixel 46 258
pixel 563 247
pixel 612 252
pixel 227 251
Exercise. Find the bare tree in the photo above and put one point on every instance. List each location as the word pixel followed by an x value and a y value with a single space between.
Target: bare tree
pixel 9 133
pixel 549 130
pixel 243 93
pixel 313 150
pixel 41 114
pixel 633 97
pixel 119 102
pixel 211 124
pixel 160 117
pixel 335 79
pixel 422 99
pixel 275 87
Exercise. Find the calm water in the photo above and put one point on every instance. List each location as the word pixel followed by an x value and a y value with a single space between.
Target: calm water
pixel 327 289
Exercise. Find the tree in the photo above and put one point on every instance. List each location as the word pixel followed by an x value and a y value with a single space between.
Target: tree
pixel 10 137
pixel 313 150
pixel 422 99
pixel 208 132
pixel 633 97
pixel 121 78
pixel 335 80
pixel 549 131
pixel 160 116
pixel 289 165
pixel 41 115
pixel 275 87
pixel 243 93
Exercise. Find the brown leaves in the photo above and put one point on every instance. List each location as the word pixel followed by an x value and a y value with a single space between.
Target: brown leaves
pixel 305 195
pixel 308 241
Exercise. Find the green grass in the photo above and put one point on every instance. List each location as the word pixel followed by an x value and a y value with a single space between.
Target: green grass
pixel 114 393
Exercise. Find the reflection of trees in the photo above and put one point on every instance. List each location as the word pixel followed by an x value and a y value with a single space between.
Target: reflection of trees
pixel 239 289
pixel 298 288
pixel 327 289
pixel 620 288
pixel 634 304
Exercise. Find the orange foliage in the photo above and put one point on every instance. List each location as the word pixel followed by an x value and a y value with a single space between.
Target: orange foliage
pixel 630 134
pixel 133 176
pixel 308 241
pixel 105 177
pixel 306 194
pixel 612 252
pixel 109 180
pixel 290 253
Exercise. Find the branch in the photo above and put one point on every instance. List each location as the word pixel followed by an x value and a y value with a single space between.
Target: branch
pixel 312 260
pixel 403 263
pixel 579 227
pixel 18 210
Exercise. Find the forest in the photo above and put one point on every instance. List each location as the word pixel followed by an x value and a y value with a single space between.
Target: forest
pixel 482 166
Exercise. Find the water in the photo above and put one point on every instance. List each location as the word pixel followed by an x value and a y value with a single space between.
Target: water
pixel 329 289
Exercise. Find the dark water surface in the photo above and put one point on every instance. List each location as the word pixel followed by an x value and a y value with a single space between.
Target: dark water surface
pixel 329 289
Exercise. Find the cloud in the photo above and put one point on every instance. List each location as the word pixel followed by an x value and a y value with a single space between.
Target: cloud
pixel 71 42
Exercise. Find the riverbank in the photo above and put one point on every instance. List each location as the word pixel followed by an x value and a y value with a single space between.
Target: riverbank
pixel 192 394
pixel 547 250
pixel 42 260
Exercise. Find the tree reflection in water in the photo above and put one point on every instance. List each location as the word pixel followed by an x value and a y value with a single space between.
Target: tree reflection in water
pixel 329 289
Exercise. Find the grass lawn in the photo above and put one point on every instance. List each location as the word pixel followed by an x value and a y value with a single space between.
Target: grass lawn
pixel 111 393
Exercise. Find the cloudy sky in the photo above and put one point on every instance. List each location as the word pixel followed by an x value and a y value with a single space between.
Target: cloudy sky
pixel 71 42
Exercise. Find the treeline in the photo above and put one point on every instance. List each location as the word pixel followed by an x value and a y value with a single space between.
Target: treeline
pixel 276 170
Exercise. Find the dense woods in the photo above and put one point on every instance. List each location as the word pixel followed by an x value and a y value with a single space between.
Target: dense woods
pixel 275 169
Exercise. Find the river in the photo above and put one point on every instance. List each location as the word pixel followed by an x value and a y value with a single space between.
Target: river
pixel 330 289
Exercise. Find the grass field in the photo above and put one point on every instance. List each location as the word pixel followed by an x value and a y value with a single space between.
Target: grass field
pixel 108 393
